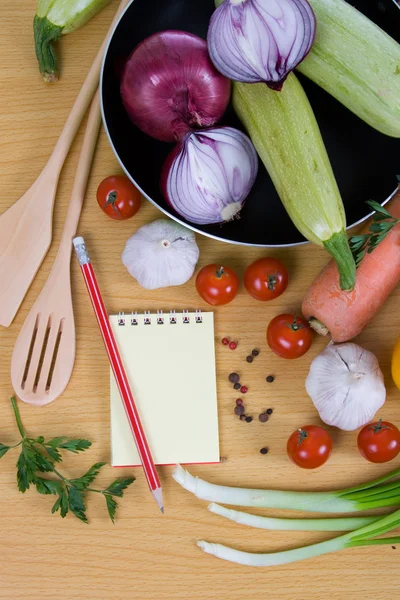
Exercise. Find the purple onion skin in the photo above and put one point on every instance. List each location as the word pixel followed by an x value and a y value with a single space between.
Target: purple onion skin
pixel 169 86
pixel 236 179
pixel 279 32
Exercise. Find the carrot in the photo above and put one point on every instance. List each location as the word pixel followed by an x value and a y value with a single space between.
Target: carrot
pixel 344 315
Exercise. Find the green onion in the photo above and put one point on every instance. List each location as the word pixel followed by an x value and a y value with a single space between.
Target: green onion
pixel 334 524
pixel 55 18
pixel 374 494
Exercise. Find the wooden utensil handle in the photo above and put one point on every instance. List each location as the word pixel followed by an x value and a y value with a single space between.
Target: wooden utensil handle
pixel 82 101
pixel 82 172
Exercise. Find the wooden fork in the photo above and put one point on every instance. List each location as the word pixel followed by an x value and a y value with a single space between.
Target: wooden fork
pixel 44 353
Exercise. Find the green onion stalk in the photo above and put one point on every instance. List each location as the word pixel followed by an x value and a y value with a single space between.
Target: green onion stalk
pixel 53 19
pixel 363 531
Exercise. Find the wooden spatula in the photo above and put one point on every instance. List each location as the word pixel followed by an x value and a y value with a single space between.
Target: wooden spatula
pixel 44 353
pixel 26 227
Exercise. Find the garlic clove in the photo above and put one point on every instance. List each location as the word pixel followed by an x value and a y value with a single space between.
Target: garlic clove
pixel 161 254
pixel 346 386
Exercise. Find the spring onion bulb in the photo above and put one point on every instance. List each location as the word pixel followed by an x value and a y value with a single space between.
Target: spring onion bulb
pixel 272 524
pixel 260 40
pixel 208 176
pixel 374 494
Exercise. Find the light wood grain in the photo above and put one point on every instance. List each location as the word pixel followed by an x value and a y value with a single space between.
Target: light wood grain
pixel 146 556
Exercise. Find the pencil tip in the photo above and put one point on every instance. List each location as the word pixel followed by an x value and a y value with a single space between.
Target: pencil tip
pixel 162 509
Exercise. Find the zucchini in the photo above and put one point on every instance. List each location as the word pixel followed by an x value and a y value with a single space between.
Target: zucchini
pixel 357 63
pixel 285 133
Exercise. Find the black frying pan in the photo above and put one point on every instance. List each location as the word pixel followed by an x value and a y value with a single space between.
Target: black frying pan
pixel 364 161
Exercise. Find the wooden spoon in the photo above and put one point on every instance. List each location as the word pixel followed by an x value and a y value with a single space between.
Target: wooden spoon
pixel 26 227
pixel 44 353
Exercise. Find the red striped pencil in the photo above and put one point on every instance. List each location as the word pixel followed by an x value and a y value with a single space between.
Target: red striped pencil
pixel 119 371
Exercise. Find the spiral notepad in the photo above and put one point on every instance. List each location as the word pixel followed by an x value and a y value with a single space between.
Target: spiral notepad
pixel 170 363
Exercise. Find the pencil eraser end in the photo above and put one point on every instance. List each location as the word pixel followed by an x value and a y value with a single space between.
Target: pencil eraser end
pixel 78 241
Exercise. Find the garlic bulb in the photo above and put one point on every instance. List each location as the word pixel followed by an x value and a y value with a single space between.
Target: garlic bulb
pixel 161 254
pixel 346 386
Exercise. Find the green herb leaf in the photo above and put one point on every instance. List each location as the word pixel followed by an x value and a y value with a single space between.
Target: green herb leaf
pixel 76 503
pixel 56 506
pixel 63 504
pixel 42 463
pixel 48 486
pixel 111 506
pixel 26 468
pixel 75 446
pixel 3 450
pixel 383 222
pixel 55 442
pixel 117 487
pixel 53 453
pixel 83 482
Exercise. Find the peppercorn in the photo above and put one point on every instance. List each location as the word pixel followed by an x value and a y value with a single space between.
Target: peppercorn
pixel 233 345
pixel 249 358
pixel 242 417
pixel 270 378
pixel 225 341
pixel 234 377
pixel 269 411
pixel 236 386
pixel 239 401
pixel 249 419
pixel 255 352
pixel 239 410
pixel 244 389
pixel 263 417
pixel 264 450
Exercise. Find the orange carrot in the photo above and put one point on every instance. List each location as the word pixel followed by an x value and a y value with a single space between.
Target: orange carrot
pixel 344 315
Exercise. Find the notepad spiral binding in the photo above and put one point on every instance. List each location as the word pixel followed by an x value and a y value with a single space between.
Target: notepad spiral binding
pixel 158 318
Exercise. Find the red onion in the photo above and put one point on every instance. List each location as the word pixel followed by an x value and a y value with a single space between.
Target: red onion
pixel 260 40
pixel 208 176
pixel 170 86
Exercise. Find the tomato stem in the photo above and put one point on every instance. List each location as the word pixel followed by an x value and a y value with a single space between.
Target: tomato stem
pixel 378 427
pixel 220 272
pixel 303 435
pixel 111 199
pixel 272 281
pixel 295 326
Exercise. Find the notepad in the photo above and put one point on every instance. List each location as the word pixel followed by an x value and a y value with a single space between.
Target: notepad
pixel 170 363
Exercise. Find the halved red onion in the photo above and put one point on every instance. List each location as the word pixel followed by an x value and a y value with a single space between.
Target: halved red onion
pixel 170 86
pixel 260 40
pixel 208 176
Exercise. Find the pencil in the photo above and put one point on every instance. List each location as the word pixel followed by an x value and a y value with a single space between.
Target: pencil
pixel 119 371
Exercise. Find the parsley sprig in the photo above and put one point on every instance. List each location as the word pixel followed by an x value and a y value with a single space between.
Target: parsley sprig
pixel 40 456
pixel 382 223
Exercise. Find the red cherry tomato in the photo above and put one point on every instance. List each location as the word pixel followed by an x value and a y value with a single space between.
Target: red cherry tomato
pixel 217 284
pixel 379 442
pixel 289 336
pixel 309 447
pixel 118 197
pixel 266 278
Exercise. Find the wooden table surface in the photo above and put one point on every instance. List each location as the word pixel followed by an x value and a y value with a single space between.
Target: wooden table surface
pixel 145 555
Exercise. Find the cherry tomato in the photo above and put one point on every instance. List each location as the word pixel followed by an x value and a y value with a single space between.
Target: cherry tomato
pixel 266 278
pixel 309 447
pixel 379 442
pixel 118 197
pixel 217 284
pixel 289 336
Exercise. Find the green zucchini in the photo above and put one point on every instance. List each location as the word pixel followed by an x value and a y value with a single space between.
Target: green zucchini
pixel 286 135
pixel 357 63
pixel 54 18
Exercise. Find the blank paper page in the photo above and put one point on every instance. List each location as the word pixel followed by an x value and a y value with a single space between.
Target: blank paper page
pixel 171 370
